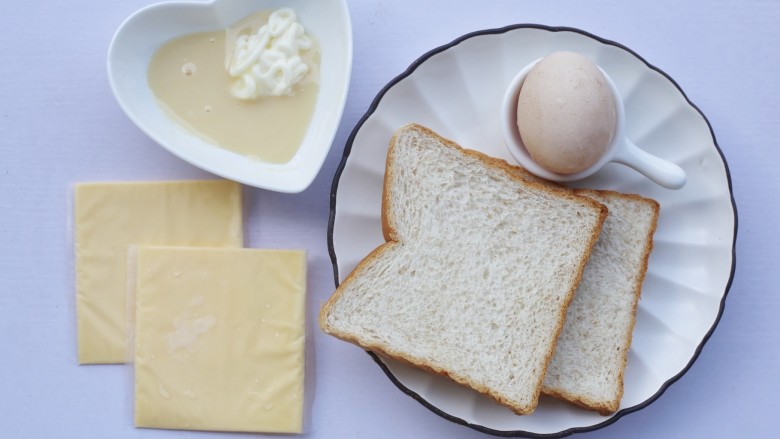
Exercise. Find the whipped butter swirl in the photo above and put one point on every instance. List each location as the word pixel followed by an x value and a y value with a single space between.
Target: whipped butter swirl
pixel 268 63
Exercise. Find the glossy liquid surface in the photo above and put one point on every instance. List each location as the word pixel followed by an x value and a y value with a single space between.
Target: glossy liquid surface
pixel 189 79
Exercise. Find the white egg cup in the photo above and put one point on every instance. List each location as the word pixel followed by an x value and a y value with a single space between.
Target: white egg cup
pixel 621 149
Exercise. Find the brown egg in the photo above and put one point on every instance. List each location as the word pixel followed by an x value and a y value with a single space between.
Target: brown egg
pixel 566 113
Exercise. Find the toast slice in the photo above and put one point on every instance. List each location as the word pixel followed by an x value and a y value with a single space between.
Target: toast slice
pixel 592 350
pixel 477 271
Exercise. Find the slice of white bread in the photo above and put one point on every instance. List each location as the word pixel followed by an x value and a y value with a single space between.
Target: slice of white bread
pixel 592 350
pixel 477 271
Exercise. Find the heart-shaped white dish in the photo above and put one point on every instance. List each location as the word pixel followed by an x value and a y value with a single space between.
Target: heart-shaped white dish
pixel 146 30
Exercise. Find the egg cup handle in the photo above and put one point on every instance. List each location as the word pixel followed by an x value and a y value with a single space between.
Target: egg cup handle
pixel 663 172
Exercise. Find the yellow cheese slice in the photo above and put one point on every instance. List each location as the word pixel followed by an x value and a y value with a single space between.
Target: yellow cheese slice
pixel 219 339
pixel 111 216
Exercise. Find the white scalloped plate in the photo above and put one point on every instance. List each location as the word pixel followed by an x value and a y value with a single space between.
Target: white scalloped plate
pixel 456 90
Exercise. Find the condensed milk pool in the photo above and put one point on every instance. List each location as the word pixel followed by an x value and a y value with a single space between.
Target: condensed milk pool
pixel 250 88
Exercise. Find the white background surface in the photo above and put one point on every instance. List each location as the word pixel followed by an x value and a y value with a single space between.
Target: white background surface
pixel 59 124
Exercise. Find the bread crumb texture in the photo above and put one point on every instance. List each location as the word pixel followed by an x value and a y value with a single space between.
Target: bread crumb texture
pixel 592 351
pixel 476 281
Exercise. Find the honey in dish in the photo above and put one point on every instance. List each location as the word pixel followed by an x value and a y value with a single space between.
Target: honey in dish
pixel 189 78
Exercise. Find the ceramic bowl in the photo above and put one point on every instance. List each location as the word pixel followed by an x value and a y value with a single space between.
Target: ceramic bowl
pixel 141 34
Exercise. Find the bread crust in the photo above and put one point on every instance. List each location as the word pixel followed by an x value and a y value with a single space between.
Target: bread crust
pixel 606 408
pixel 390 235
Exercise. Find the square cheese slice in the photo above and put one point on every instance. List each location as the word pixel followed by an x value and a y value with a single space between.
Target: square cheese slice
pixel 109 217
pixel 219 339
